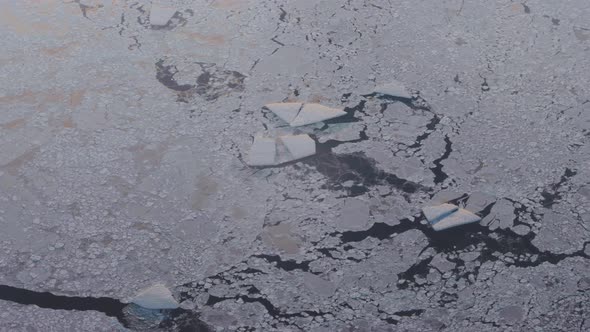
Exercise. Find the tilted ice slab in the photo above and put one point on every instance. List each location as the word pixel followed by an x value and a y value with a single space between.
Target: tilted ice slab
pixel 286 111
pixel 299 146
pixel 457 218
pixel 275 151
pixel 311 113
pixel 263 152
pixel 437 212
pixel 446 216
pixel 299 114
pixel 160 15
pixel 394 89
pixel 155 297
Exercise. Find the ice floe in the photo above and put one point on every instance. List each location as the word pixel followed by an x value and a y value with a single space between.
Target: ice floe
pixel 160 15
pixel 298 114
pixel 393 89
pixel 155 297
pixel 275 151
pixel 437 212
pixel 286 111
pixel 299 146
pixel 446 216
pixel 311 113
pixel 262 152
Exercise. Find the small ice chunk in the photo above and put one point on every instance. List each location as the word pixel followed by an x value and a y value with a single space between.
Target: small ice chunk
pixel 286 111
pixel 262 152
pixel 299 146
pixel 311 113
pixel 394 89
pixel 160 15
pixel 435 213
pixel 155 297
pixel 457 218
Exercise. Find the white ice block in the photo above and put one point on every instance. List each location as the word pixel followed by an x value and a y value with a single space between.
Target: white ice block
pixel 457 218
pixel 435 213
pixel 156 297
pixel 286 111
pixel 299 146
pixel 262 152
pixel 311 113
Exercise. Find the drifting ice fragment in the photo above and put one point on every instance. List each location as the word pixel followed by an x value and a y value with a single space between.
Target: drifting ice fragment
pixel 448 215
pixel 394 89
pixel 155 297
pixel 438 212
pixel 286 111
pixel 263 152
pixel 160 15
pixel 311 113
pixel 299 146
pixel 457 218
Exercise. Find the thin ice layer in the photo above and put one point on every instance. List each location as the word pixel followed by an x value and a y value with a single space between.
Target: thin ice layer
pixel 435 213
pixel 286 111
pixel 457 218
pixel 299 146
pixel 155 297
pixel 394 89
pixel 262 152
pixel 311 113
pixel 160 15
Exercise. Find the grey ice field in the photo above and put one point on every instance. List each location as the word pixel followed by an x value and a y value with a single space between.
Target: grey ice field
pixel 127 128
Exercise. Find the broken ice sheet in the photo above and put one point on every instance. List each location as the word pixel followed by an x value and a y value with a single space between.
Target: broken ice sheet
pixel 299 114
pixel 454 219
pixel 262 152
pixel 160 15
pixel 299 146
pixel 393 89
pixel 155 297
pixel 311 113
pixel 286 111
pixel 435 213
pixel 275 151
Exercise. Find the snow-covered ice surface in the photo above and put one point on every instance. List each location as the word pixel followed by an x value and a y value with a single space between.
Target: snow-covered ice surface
pixel 160 15
pixel 123 148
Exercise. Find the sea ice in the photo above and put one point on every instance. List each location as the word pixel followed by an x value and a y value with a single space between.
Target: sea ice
pixel 311 113
pixel 286 111
pixel 155 297
pixel 262 152
pixel 160 15
pixel 437 212
pixel 299 146
pixel 394 89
